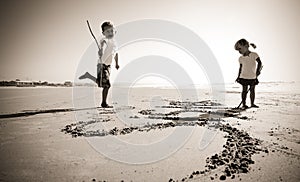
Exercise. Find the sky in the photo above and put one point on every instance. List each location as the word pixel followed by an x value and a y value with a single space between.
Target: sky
pixel 45 40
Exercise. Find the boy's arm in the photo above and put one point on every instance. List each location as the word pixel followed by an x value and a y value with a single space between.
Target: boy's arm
pixel 258 69
pixel 100 51
pixel 117 61
pixel 240 70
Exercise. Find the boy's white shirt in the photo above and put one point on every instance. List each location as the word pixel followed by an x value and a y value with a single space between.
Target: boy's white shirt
pixel 109 49
pixel 248 66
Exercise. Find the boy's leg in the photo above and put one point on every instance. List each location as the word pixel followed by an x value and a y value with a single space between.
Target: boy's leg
pixel 252 95
pixel 106 84
pixel 244 94
pixel 104 96
pixel 89 76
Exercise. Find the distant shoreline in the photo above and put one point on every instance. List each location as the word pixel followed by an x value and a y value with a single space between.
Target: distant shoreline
pixel 25 83
pixel 45 84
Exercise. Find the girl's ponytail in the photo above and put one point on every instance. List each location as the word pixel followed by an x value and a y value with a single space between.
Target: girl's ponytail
pixel 253 45
pixel 243 42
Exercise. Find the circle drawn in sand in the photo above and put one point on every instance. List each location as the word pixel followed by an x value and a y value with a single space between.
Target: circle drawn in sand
pixel 161 31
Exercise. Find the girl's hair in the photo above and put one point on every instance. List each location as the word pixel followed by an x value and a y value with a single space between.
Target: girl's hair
pixel 243 42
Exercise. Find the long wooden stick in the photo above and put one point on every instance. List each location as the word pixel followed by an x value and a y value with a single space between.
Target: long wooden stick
pixel 242 100
pixel 93 34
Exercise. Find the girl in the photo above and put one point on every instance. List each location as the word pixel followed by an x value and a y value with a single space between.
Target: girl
pixel 248 71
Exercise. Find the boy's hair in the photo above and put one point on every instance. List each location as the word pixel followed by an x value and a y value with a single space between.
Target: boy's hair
pixel 105 25
pixel 243 42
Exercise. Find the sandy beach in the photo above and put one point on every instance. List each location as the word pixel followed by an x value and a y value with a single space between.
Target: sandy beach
pixel 164 137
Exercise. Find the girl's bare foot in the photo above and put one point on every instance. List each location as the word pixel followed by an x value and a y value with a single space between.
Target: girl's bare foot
pixel 245 107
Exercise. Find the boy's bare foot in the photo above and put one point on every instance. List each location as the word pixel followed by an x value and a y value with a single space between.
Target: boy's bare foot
pixel 105 105
pixel 84 76
pixel 254 106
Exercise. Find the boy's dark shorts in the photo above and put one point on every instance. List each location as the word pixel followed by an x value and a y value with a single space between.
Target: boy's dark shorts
pixel 246 82
pixel 103 73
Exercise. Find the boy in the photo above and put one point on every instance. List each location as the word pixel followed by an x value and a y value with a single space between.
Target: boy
pixel 107 53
